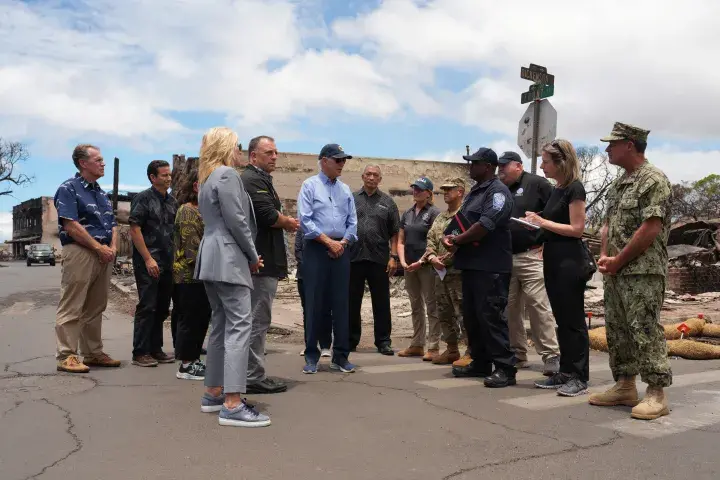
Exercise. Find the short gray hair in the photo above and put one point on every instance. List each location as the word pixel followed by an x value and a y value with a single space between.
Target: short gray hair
pixel 373 166
pixel 81 153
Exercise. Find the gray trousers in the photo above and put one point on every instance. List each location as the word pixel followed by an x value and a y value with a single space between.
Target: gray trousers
pixel 229 341
pixel 263 294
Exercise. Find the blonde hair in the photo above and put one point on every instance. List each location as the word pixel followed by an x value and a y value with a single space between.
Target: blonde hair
pixel 217 149
pixel 564 157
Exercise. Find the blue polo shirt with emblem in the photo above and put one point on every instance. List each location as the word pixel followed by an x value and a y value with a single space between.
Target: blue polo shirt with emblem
pixel 86 203
pixel 489 204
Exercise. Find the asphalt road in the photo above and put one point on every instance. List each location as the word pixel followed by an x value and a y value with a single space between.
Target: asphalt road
pixel 394 419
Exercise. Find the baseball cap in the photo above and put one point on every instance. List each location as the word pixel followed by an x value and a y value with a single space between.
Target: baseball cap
pixel 423 183
pixel 483 155
pixel 453 183
pixel 333 150
pixel 624 131
pixel 508 157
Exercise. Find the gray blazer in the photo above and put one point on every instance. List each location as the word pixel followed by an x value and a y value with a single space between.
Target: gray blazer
pixel 227 248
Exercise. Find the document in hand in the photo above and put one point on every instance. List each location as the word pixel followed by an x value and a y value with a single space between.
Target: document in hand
pixel 523 222
pixel 459 224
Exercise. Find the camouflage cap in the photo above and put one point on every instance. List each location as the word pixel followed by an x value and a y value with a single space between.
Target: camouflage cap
pixel 623 131
pixel 453 182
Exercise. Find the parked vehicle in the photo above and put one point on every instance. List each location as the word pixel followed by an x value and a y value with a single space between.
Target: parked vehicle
pixel 41 253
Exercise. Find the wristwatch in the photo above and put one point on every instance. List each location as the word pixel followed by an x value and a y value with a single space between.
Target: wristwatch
pixel 395 257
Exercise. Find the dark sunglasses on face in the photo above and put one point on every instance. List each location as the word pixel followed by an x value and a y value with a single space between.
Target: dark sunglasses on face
pixel 340 160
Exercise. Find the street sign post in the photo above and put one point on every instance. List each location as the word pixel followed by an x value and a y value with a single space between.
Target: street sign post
pixel 539 122
pixel 537 127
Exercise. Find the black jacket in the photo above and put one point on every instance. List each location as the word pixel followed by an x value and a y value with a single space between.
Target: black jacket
pixel 270 242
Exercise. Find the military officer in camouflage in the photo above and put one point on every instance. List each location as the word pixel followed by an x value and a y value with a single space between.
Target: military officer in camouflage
pixel 449 288
pixel 634 260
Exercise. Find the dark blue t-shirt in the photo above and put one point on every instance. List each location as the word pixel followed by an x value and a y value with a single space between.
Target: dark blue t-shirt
pixel 86 203
pixel 489 204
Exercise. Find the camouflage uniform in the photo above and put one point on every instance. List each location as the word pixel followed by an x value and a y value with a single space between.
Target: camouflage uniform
pixel 448 290
pixel 634 295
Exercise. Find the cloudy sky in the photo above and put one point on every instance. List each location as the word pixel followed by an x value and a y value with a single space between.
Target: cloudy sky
pixel 396 78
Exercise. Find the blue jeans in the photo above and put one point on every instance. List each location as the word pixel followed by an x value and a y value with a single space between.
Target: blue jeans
pixel 326 285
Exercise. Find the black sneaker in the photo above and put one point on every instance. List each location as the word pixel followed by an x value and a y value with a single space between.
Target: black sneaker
pixel 472 370
pixel 194 371
pixel 500 378
pixel 266 386
pixel 573 388
pixel 386 349
pixel 554 382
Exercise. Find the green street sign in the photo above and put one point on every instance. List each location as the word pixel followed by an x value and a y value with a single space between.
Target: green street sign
pixel 537 92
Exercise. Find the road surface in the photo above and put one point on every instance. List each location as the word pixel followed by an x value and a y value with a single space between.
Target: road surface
pixel 394 419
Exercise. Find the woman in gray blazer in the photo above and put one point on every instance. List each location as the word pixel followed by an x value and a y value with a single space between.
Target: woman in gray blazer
pixel 226 258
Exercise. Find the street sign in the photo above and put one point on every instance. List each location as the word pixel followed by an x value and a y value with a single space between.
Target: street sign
pixel 537 76
pixel 536 92
pixel 546 131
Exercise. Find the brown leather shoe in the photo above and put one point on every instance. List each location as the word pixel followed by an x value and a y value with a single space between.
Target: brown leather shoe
pixel 163 357
pixel 431 354
pixel 448 356
pixel 464 361
pixel 144 361
pixel 72 365
pixel 102 360
pixel 412 352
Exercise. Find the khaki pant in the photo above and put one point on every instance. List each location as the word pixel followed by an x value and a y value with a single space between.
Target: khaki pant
pixel 83 298
pixel 449 306
pixel 420 286
pixel 527 293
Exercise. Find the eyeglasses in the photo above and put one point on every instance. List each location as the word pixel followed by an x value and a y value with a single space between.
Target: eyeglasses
pixel 340 160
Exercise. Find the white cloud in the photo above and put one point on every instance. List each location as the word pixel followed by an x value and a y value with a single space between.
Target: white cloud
pixel 644 62
pixel 6 226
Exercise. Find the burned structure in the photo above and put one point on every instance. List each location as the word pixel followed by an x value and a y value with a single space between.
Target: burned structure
pixel 34 221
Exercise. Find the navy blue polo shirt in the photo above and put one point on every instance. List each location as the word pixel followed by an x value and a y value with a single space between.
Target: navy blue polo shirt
pixel 489 204
pixel 86 203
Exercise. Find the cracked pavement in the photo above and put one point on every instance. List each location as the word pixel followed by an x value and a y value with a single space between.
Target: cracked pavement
pixel 135 423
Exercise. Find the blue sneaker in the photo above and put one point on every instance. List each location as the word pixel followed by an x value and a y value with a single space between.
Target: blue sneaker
pixel 210 404
pixel 243 416
pixel 310 368
pixel 345 367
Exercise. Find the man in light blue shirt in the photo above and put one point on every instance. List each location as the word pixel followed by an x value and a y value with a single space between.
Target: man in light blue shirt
pixel 328 221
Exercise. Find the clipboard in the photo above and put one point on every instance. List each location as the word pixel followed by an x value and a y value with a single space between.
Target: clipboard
pixel 459 224
pixel 523 222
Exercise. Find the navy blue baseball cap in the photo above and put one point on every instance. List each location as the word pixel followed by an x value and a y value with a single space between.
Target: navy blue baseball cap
pixel 483 155
pixel 333 150
pixel 508 157
pixel 423 183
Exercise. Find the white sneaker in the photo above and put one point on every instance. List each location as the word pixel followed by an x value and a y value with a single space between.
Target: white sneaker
pixel 325 352
pixel 302 352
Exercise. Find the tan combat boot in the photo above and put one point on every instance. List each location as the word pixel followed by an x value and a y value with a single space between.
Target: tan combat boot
pixel 653 406
pixel 464 361
pixel 412 352
pixel 431 354
pixel 448 356
pixel 72 365
pixel 624 392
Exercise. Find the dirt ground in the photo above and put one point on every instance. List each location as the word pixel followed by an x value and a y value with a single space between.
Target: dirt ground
pixel 677 308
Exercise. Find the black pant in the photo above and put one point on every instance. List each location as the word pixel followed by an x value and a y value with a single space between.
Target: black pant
pixel 325 335
pixel 563 270
pixel 326 285
pixel 377 278
pixel 193 318
pixel 152 309
pixel 485 296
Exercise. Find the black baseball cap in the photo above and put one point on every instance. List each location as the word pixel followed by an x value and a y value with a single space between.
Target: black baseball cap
pixel 333 150
pixel 508 157
pixel 483 155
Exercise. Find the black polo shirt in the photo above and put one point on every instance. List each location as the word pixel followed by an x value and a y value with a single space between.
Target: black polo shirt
pixel 269 242
pixel 155 213
pixel 489 204
pixel 530 194
pixel 378 221
pixel 416 229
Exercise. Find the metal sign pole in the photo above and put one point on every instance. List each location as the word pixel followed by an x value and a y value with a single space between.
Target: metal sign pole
pixel 536 125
